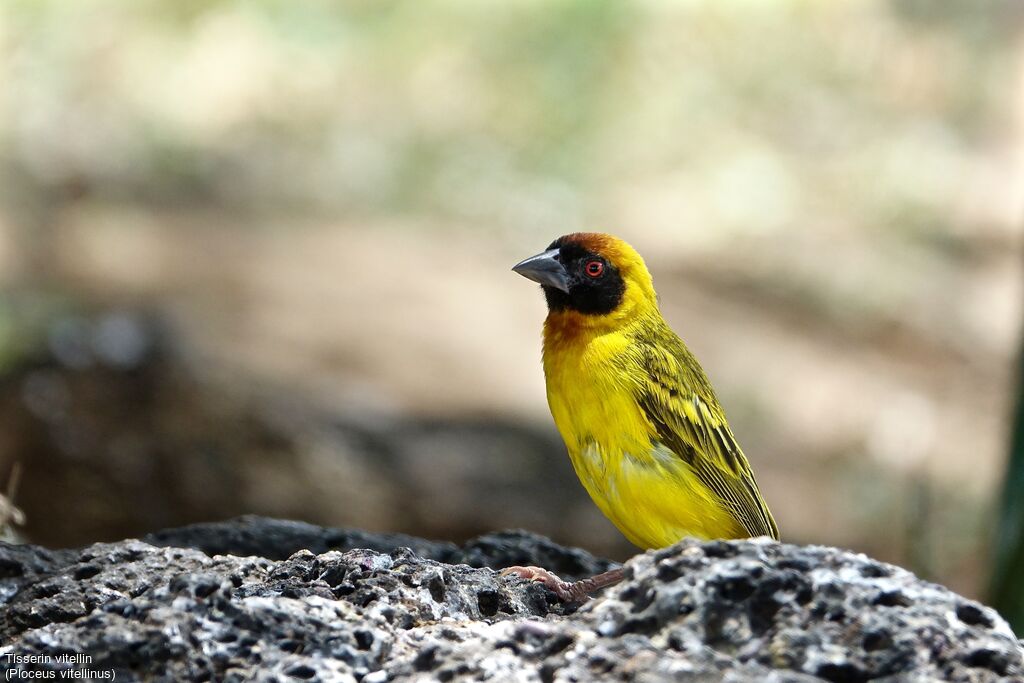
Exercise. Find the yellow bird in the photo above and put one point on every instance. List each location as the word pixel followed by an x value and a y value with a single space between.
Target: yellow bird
pixel 643 427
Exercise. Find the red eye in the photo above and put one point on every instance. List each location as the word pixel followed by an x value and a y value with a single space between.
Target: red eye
pixel 594 268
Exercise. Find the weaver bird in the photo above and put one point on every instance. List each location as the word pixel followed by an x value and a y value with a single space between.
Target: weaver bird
pixel 643 427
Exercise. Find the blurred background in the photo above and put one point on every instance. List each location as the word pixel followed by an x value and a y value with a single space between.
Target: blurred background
pixel 255 256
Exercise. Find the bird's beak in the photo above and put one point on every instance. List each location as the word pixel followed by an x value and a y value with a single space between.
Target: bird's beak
pixel 545 269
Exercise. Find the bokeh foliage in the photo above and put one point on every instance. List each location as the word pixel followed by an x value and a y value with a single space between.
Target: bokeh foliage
pixel 1007 589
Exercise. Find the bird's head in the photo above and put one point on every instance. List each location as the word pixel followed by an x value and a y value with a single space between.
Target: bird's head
pixel 593 275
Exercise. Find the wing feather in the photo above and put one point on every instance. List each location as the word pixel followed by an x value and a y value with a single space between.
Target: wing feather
pixel 679 401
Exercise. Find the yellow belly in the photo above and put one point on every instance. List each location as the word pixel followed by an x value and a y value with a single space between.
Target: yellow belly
pixel 645 489
pixel 654 499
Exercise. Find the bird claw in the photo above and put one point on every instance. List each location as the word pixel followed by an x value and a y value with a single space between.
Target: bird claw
pixel 562 589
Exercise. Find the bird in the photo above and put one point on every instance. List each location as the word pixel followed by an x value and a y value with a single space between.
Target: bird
pixel 641 422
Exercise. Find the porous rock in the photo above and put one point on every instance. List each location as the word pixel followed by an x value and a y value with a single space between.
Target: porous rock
pixel 406 609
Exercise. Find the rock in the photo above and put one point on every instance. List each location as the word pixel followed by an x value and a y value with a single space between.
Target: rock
pixel 277 539
pixel 736 611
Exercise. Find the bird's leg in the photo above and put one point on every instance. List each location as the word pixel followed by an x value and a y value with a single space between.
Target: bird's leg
pixel 576 591
pixel 598 582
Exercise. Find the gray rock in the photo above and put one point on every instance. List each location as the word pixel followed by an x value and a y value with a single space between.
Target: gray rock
pixel 277 539
pixel 734 611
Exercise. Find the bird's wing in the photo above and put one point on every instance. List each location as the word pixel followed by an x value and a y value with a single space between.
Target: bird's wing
pixel 679 401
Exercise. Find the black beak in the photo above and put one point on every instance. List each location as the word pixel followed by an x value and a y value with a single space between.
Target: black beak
pixel 545 269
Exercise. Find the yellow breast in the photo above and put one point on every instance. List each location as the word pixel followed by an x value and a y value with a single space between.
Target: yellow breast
pixel 645 489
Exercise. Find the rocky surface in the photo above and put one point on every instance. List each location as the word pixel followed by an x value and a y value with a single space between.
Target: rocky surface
pixel 309 603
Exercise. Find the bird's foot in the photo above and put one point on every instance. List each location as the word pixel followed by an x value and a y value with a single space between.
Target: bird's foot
pixel 576 591
pixel 550 580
